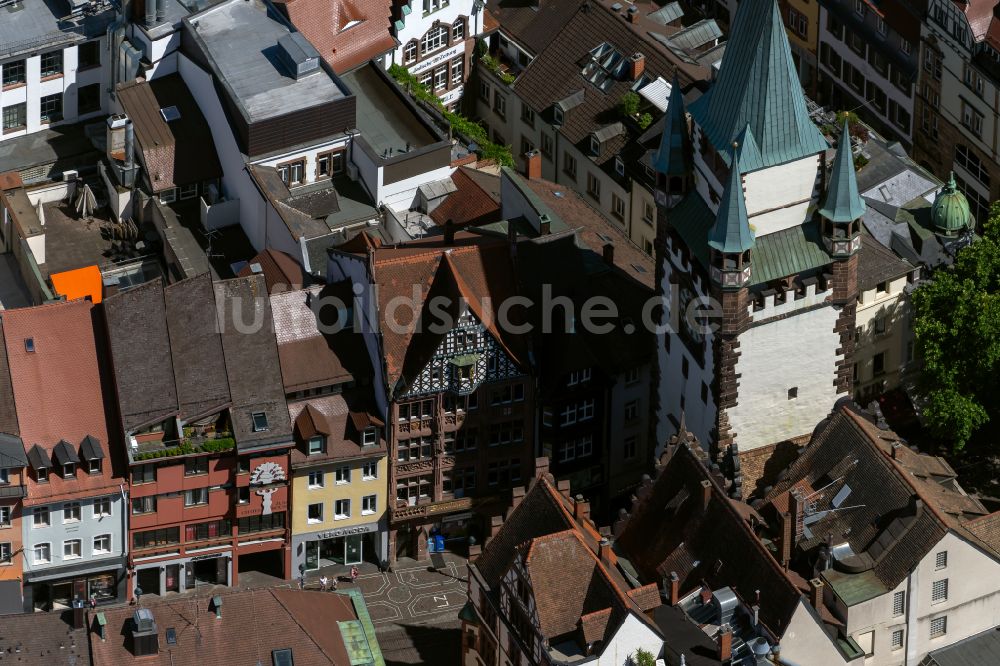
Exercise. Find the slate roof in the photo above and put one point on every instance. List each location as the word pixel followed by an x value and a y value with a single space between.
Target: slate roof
pixel 758 85
pixel 328 26
pixel 58 389
pixel 877 263
pixel 174 153
pixel 670 531
pixel 254 623
pixel 44 639
pixel 901 508
pixel 252 362
pixel 983 648
pixel 843 203
pixel 674 155
pixel 8 413
pixel 12 453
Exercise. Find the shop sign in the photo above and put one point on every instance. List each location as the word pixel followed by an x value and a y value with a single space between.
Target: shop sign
pixel 345 531
pixel 266 474
pixel 209 556
pixel 444 56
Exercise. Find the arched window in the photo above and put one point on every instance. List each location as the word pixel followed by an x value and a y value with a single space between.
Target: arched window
pixel 410 51
pixel 458 29
pixel 435 38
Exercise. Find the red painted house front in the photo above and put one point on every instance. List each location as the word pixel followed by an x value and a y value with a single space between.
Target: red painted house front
pixel 207 432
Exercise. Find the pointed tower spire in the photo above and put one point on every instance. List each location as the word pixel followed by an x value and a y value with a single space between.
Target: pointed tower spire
pixel 843 207
pixel 731 232
pixel 730 238
pixel 842 202
pixel 758 85
pixel 672 157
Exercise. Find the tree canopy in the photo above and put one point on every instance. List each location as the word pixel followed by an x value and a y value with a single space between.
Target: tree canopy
pixel 956 320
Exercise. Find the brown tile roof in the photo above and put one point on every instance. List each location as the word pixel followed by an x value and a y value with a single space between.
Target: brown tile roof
pixel 555 73
pixel 899 511
pixel 252 365
pixel 254 623
pixel 877 263
pixel 332 416
pixel 281 271
pixel 531 25
pixel 140 351
pixel 175 153
pixel 471 204
pixel 670 530
pixel 327 24
pixel 474 267
pixel 58 390
pixel 43 639
pixel 987 530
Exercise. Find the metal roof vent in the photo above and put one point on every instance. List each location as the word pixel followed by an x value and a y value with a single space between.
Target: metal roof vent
pixel 299 56
pixel 256 268
pixel 170 113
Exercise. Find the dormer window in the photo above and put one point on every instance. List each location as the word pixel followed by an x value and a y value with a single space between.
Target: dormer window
pixel 29 345
pixel 619 166
pixel 595 146
pixel 93 466
pixel 317 445
pixel 69 470
pixel 369 437
pixel 42 475
pixel 557 115
pixel 4 476
pixel 259 422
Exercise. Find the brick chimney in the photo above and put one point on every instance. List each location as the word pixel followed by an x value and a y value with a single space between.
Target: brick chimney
pixel 541 466
pixel 562 485
pixel 609 254
pixel 706 494
pixel 675 588
pixel 475 550
pixel 787 543
pixel 816 593
pixel 496 522
pixel 631 14
pixel 581 508
pixel 896 446
pixel 533 165
pixel 517 494
pixel 604 551
pixel 637 63
pixel 725 643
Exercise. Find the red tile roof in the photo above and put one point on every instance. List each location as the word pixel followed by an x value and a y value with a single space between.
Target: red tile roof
pixel 58 389
pixel 253 624
pixel 470 204
pixel 280 270
pixel 347 33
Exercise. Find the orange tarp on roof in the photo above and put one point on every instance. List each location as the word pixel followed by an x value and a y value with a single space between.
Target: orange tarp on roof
pixel 79 283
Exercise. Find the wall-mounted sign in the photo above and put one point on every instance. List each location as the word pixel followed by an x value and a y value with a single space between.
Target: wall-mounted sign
pixel 344 531
pixel 266 474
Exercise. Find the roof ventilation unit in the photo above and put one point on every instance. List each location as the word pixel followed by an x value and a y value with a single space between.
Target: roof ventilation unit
pixel 299 56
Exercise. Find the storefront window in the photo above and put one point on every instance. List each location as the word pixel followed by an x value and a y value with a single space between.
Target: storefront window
pixel 312 555
pixel 102 587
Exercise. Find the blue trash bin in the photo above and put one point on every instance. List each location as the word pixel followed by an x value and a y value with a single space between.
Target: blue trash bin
pixel 439 543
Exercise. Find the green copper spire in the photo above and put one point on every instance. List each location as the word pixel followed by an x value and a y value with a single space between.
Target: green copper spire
pixel 843 203
pixel 950 212
pixel 672 157
pixel 758 86
pixel 731 232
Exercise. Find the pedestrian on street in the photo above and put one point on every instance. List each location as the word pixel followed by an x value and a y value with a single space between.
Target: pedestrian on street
pixel 354 574
pixel 302 582
pixel 333 588
pixel 323 583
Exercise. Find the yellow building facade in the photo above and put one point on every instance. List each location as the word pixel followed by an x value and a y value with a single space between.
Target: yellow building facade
pixel 339 512
pixel 801 19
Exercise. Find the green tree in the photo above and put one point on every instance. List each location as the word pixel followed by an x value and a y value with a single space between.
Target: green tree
pixel 629 104
pixel 643 658
pixel 956 320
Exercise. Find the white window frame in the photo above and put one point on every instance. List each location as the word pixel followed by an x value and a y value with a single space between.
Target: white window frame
pixel 189 494
pixel 315 479
pixel 73 507
pixel 586 410
pixel 313 440
pixel 369 505
pixel 5 513
pixel 369 437
pixel 41 560
pixel 458 29
pixel 4 476
pixel 41 517
pixel 369 471
pixel 69 544
pixel 314 521
pixel 410 52
pixel 342 503
pixel 457 70
pixel 939 591
pixel 342 475
pixel 102 551
pixel 568 415
pixel 6 552
pixel 189 191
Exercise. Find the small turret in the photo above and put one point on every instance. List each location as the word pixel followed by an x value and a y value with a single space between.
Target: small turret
pixel 730 238
pixel 673 159
pixel 842 207
pixel 950 213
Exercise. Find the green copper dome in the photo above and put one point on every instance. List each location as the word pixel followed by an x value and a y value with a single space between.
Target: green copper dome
pixel 950 213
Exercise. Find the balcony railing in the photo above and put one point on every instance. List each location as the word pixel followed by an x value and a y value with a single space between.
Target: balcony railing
pixel 17 492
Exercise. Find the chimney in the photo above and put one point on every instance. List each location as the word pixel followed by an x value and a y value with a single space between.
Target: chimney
pixel 533 165
pixel 609 254
pixel 675 588
pixel 562 485
pixel 725 640
pixel 581 508
pixel 78 612
pixel 544 224
pixel 706 494
pixel 475 550
pixel 541 466
pixel 796 506
pixel 517 494
pixel 161 10
pixel 604 551
pixel 787 529
pixel 631 16
pixel 637 63
pixel 816 593
pixel 496 522
pixel 896 446
pixel 449 232
pixel 150 13
pixel 129 144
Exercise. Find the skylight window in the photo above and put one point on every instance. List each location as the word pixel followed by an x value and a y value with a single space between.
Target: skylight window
pixel 259 421
pixel 605 65
pixel 29 345
pixel 170 113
